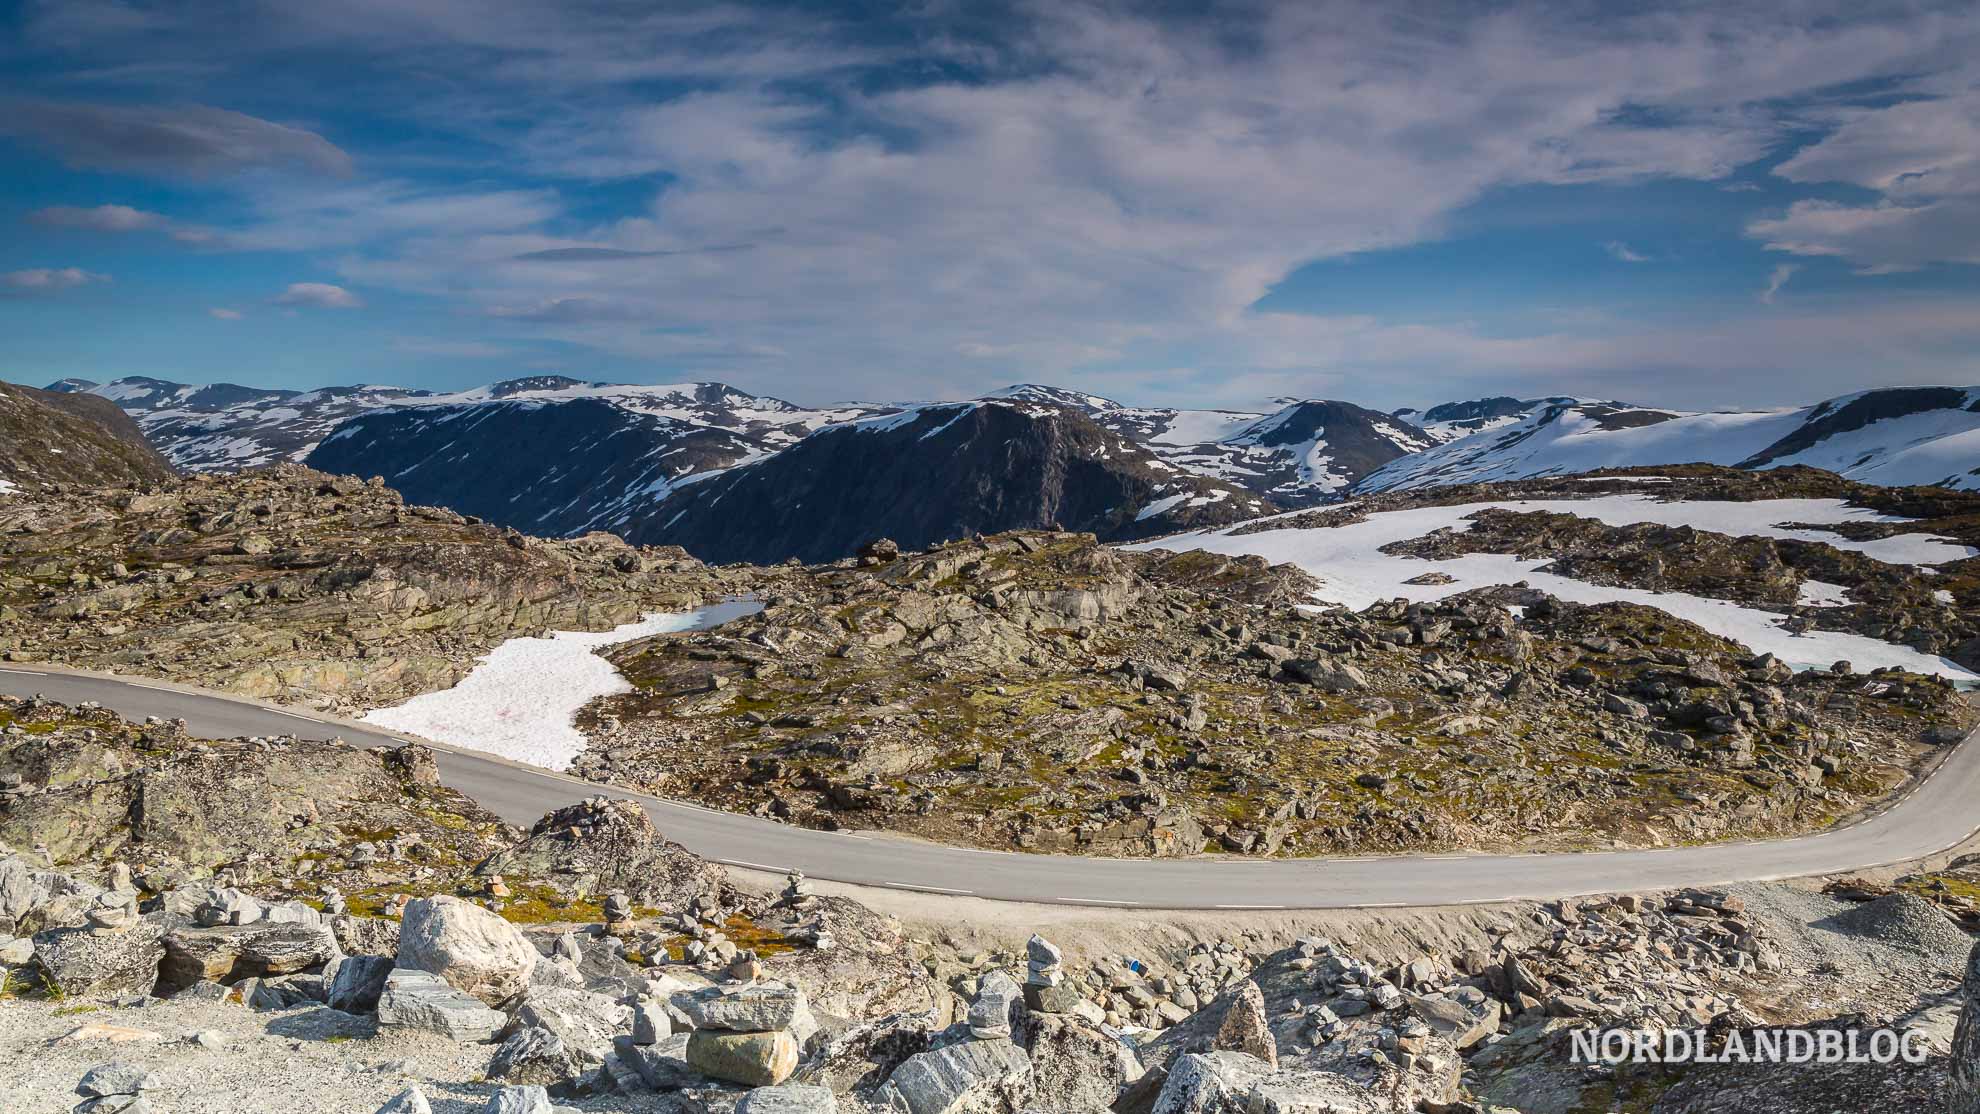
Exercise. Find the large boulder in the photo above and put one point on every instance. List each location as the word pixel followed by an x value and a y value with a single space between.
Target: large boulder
pixel 474 950
pixel 751 1059
pixel 78 962
pixel 585 1021
pixel 229 953
pixel 1963 1092
pixel 602 844
pixel 1234 1021
pixel 423 1000
pixel 1074 1066
pixel 962 1078
pixel 1209 1083
pixel 534 1056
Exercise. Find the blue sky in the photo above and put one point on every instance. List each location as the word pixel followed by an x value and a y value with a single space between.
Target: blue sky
pixel 1205 204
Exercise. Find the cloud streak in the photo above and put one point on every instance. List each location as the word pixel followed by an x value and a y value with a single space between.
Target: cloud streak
pixel 318 295
pixel 192 141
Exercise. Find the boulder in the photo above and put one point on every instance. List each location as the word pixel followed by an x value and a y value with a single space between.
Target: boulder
pixel 1465 1024
pixel 534 1055
pixel 1234 1021
pixel 585 1021
pixel 1302 1091
pixel 353 983
pixel 1074 1066
pixel 1324 674
pixel 229 953
pixel 1209 1083
pixel 1963 1090
pixel 752 1059
pixel 78 962
pixel 750 1009
pixel 960 1079
pixel 474 950
pixel 423 1000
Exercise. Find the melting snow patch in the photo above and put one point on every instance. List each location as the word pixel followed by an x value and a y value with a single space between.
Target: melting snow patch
pixel 522 701
pixel 1821 593
pixel 1354 572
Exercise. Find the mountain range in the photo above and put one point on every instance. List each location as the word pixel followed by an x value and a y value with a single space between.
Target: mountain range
pixel 734 476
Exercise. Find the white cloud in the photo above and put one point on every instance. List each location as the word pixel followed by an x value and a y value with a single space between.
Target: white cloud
pixel 222 313
pixel 1624 253
pixel 49 279
pixel 1776 279
pixel 101 218
pixel 1922 156
pixel 319 295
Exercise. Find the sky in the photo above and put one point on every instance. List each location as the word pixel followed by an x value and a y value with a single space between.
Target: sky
pixel 1697 205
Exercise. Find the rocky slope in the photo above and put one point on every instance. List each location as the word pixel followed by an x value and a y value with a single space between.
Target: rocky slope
pixel 1893 436
pixel 1451 421
pixel 1035 690
pixel 228 427
pixel 47 437
pixel 1305 452
pixel 299 585
pixel 373 937
pixel 936 472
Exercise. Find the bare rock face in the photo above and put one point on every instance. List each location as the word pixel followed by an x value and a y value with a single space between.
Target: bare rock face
pixel 474 950
pixel 77 961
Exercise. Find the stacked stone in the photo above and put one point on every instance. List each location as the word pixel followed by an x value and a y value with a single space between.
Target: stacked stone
pixel 750 1035
pixel 797 892
pixel 115 909
pixel 618 913
pixel 996 1008
pixel 1045 988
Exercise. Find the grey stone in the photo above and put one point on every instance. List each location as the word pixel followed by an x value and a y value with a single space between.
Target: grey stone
pixel 534 1055
pixel 116 1078
pixel 422 1000
pixel 750 1009
pixel 79 963
pixel 651 1022
pixel 998 1006
pixel 409 1101
pixel 354 982
pixel 789 1098
pixel 1209 1083
pixel 519 1100
pixel 228 953
pixel 585 1021
pixel 969 1076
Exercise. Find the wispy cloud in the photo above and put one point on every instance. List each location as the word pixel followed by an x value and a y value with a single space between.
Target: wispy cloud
pixel 222 313
pixel 318 295
pixel 1624 253
pixel 1776 279
pixel 195 141
pixel 48 280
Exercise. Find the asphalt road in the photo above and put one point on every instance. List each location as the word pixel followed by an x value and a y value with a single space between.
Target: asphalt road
pixel 1936 812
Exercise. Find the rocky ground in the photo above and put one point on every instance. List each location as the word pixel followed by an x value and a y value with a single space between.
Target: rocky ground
pixel 1038 691
pixel 155 965
pixel 297 585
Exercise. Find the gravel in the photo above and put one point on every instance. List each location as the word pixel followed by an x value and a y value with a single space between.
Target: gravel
pixel 1903 920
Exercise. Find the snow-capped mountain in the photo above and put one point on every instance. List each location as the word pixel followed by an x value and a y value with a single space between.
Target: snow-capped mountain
pixel 557 456
pixel 935 472
pixel 1302 453
pixel 224 427
pixel 1891 436
pixel 1454 420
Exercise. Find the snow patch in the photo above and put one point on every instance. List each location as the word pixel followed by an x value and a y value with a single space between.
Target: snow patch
pixel 521 701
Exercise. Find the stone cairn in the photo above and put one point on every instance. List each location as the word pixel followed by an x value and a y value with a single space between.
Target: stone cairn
pixel 618 913
pixel 1045 988
pixel 807 914
pixel 116 909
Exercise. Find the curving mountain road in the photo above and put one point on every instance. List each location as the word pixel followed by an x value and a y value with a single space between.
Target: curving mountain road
pixel 1939 810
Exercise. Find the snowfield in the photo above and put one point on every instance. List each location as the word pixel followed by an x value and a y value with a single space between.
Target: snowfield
pixel 1355 573
pixel 522 701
